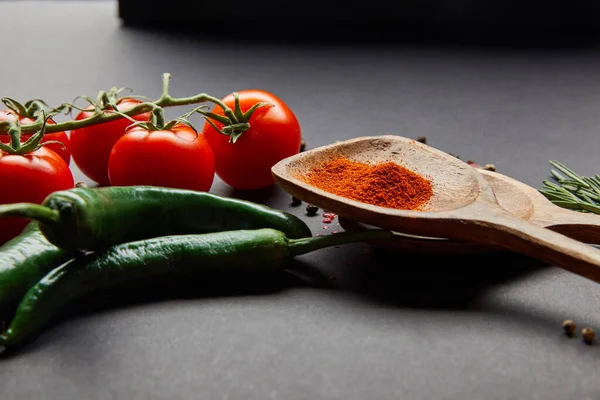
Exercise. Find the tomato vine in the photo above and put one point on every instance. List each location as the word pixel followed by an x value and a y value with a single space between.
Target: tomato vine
pixel 235 122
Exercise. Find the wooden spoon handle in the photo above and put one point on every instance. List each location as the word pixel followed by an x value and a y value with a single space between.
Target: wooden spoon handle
pixel 544 244
pixel 577 225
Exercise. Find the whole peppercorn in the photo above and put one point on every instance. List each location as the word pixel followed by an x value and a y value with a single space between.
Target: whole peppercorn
pixel 422 139
pixel 569 327
pixel 311 210
pixel 588 335
pixel 296 201
pixel 302 145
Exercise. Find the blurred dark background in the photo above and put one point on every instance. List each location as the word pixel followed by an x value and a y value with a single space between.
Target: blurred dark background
pixel 466 21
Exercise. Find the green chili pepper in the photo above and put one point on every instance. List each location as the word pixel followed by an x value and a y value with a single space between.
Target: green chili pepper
pixel 24 260
pixel 97 218
pixel 242 250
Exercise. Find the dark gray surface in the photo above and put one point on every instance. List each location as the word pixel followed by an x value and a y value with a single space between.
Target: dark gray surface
pixel 415 328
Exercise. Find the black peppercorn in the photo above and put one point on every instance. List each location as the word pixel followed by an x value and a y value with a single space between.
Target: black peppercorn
pixel 311 210
pixel 422 139
pixel 296 201
pixel 302 145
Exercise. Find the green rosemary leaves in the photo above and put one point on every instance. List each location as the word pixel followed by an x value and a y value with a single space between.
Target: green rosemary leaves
pixel 572 191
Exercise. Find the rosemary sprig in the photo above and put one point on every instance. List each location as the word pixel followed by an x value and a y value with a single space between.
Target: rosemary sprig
pixel 571 190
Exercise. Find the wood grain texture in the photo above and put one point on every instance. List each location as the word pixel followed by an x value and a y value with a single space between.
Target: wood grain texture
pixel 463 206
pixel 517 198
pixel 538 210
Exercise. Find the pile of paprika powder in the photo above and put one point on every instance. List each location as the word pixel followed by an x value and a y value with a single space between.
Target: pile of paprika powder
pixel 386 185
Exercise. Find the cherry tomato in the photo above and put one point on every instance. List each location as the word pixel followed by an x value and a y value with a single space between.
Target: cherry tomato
pixel 175 158
pixel 30 178
pixel 91 146
pixel 64 153
pixel 274 134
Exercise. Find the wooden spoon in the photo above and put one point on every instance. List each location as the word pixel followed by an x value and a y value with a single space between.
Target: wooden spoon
pixel 517 198
pixel 462 207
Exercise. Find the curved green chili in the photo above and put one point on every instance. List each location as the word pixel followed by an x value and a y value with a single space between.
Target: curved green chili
pixel 97 218
pixel 24 260
pixel 242 250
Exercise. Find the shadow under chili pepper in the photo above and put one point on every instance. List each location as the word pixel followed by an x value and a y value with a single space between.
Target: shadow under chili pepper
pixel 212 284
pixel 261 195
pixel 206 285
pixel 439 282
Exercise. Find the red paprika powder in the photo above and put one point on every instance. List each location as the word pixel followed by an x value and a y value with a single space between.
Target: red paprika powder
pixel 386 185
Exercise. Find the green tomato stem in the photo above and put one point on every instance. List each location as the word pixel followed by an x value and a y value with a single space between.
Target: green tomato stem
pixel 165 89
pixel 105 99
pixel 100 118
pixel 158 118
pixel 15 136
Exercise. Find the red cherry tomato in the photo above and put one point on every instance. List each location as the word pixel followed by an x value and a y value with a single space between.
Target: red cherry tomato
pixel 30 178
pixel 64 153
pixel 174 158
pixel 274 134
pixel 91 146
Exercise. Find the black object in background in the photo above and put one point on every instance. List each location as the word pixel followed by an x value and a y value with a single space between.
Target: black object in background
pixel 422 20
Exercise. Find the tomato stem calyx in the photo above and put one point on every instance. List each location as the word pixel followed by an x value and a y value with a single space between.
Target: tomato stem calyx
pixel 232 127
pixel 105 101
pixel 157 121
pixel 32 144
pixel 15 106
pixel 32 108
pixel 110 99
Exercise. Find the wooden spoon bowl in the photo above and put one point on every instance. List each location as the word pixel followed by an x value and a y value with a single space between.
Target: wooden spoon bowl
pixel 452 180
pixel 517 198
pixel 463 205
